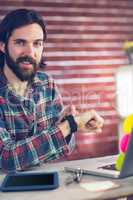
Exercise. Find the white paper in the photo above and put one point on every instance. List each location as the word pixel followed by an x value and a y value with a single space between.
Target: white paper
pixel 99 185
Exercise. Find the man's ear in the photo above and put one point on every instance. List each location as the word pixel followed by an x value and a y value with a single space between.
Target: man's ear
pixel 2 47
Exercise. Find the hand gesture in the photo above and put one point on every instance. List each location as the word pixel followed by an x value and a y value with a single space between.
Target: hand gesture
pixel 89 121
pixel 68 110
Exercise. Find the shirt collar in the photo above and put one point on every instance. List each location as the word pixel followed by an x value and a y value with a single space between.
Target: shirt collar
pixel 4 81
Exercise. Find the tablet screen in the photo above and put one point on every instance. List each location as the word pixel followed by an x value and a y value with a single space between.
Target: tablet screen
pixel 25 180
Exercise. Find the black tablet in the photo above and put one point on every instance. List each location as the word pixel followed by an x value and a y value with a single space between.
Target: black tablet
pixel 30 181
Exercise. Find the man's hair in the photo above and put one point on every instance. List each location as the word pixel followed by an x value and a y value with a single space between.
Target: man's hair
pixel 16 19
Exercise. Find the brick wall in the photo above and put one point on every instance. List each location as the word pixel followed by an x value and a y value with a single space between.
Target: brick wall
pixel 83 51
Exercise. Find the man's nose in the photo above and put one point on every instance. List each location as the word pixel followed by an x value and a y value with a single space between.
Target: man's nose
pixel 30 50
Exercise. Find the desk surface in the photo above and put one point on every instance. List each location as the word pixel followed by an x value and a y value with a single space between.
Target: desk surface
pixel 74 191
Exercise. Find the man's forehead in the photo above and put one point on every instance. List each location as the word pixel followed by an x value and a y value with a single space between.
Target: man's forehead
pixel 28 32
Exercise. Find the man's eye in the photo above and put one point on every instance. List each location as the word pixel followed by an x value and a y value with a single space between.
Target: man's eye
pixel 38 44
pixel 20 43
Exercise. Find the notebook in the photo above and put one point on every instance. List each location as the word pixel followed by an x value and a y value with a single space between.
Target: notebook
pixel 108 171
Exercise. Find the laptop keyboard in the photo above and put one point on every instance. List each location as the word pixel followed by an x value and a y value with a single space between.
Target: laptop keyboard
pixel 110 167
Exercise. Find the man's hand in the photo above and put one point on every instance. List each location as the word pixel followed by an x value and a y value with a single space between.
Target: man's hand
pixel 89 121
pixel 68 110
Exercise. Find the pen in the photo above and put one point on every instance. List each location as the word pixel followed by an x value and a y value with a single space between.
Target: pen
pixel 76 176
pixel 69 169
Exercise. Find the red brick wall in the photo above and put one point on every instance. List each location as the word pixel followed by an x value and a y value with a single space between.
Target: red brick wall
pixel 83 50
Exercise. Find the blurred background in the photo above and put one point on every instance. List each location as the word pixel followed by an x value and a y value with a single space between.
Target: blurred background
pixel 83 52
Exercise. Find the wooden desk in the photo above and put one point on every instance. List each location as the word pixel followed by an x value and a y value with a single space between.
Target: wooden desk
pixel 73 191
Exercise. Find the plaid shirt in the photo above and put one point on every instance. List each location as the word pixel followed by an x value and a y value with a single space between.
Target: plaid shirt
pixel 28 130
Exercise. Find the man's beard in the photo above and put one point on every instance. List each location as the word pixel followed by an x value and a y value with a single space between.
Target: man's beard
pixel 23 75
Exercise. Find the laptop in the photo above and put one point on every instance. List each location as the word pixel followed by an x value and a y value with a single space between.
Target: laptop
pixel 108 170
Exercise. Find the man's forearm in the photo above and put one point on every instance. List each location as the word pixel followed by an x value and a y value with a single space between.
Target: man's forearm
pixel 38 147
